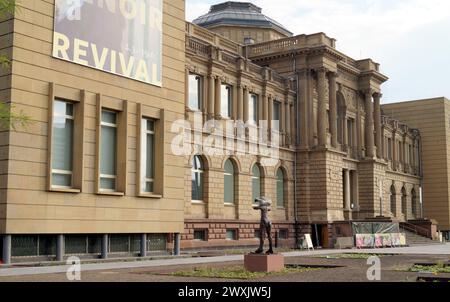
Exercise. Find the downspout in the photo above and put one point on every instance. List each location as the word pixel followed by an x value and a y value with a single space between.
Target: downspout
pixel 297 235
pixel 420 174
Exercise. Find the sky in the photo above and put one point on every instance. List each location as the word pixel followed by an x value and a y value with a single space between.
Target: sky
pixel 409 38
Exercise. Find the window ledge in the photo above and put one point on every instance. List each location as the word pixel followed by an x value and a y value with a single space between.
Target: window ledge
pixel 110 193
pixel 151 196
pixel 188 109
pixel 197 202
pixel 62 190
pixel 231 205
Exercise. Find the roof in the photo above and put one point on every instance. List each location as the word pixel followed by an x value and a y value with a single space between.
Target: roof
pixel 239 14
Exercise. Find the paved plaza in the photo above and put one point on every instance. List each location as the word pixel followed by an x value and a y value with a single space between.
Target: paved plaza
pixel 394 263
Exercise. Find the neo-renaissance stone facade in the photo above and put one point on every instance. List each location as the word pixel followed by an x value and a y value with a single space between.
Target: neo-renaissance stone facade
pixel 343 160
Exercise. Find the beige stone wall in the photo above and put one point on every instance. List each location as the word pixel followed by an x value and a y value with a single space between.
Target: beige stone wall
pixel 431 118
pixel 6 29
pixel 30 207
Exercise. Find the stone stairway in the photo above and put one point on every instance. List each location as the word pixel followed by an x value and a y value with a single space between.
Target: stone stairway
pixel 413 239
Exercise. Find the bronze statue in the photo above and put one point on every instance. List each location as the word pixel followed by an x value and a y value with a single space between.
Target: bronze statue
pixel 265 226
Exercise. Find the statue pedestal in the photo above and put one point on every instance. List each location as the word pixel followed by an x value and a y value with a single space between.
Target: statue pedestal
pixel 264 263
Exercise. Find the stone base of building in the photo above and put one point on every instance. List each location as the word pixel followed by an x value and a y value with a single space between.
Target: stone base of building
pixel 231 234
pixel 264 263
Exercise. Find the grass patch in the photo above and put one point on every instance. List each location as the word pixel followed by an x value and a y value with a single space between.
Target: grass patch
pixel 435 269
pixel 237 272
pixel 354 256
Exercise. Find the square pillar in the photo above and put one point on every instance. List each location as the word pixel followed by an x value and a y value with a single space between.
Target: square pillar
pixel 105 241
pixel 60 248
pixel 6 259
pixel 143 246
pixel 177 244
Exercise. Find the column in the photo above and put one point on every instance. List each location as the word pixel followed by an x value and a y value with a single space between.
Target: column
pixel 143 246
pixel 355 190
pixel 369 125
pixel 217 99
pixel 264 109
pixel 240 103
pixel 345 134
pixel 105 246
pixel 303 114
pixel 358 130
pixel 312 114
pixel 269 113
pixel 211 86
pixel 333 109
pixel 245 105
pixel 347 189
pixel 177 244
pixel 287 121
pixel 234 105
pixel 293 124
pixel 6 249
pixel 60 248
pixel 322 109
pixel 394 151
pixel 377 118
pixel 281 123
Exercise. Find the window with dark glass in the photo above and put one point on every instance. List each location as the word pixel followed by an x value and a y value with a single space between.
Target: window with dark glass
pixel 62 144
pixel 231 234
pixel 108 151
pixel 200 235
pixel 276 118
pixel 280 188
pixel 147 155
pixel 229 190
pixel 256 183
pixel 197 178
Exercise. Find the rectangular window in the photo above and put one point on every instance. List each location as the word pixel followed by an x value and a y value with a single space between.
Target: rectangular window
pixel 200 235
pixel 195 92
pixel 108 151
pixel 350 132
pixel 276 118
pixel 253 109
pixel 283 234
pixel 147 155
pixel 257 233
pixel 226 100
pixel 389 149
pixel 62 144
pixel 231 234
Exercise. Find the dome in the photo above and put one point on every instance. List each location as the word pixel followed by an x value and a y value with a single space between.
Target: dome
pixel 239 14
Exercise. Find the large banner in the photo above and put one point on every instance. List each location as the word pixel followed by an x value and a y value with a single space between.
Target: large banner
pixel 123 37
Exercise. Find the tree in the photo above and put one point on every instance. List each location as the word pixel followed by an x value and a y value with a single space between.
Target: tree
pixel 9 119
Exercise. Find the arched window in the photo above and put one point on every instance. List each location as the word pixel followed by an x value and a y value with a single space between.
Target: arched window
pixel 197 178
pixel 256 182
pixel 404 203
pixel 414 202
pixel 229 188
pixel 280 188
pixel 393 200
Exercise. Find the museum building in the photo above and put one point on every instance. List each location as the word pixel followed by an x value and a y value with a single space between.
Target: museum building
pixel 95 173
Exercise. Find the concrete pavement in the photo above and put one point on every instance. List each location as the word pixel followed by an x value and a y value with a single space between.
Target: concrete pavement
pixel 22 271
